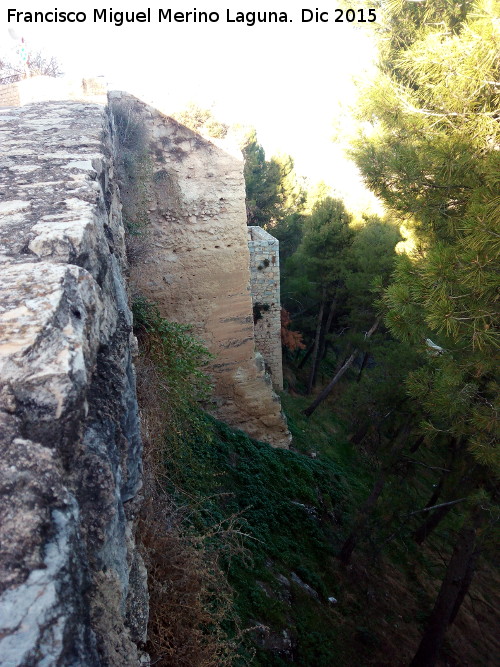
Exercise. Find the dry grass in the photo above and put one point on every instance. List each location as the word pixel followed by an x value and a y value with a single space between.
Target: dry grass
pixel 138 247
pixel 189 593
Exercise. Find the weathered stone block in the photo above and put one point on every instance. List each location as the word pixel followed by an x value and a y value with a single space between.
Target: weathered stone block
pixel 69 434
pixel 265 288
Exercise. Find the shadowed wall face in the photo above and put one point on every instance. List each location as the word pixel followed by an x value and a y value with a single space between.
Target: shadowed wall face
pixel 198 264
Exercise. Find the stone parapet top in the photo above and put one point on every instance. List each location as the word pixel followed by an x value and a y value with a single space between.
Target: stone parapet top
pixel 52 184
pixel 257 233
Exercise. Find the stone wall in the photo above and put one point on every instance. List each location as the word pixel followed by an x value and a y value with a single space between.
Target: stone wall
pixel 265 288
pixel 72 584
pixel 197 264
pixel 47 88
pixel 9 95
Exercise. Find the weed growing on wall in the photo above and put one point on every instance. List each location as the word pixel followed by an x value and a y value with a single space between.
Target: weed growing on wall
pixel 258 309
pixel 129 128
pixel 201 121
pixel 135 167
pixel 190 598
pixel 177 360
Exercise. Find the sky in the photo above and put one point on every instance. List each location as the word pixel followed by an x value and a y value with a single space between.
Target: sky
pixel 288 80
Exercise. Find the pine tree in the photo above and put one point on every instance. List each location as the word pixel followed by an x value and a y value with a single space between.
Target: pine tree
pixel 432 153
pixel 273 190
pixel 363 266
pixel 317 269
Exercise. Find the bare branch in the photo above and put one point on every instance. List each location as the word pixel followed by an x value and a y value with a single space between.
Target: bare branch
pixel 434 507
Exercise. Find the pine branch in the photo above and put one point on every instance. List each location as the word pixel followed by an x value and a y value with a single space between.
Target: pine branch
pixel 434 507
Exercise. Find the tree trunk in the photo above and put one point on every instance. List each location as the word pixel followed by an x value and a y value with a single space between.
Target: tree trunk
pixel 360 434
pixel 312 374
pixel 437 491
pixel 364 514
pixel 328 325
pixel 431 523
pixel 466 582
pixel 452 482
pixel 327 390
pixel 416 445
pixel 368 506
pixel 363 364
pixel 306 356
pixel 453 588
pixel 342 359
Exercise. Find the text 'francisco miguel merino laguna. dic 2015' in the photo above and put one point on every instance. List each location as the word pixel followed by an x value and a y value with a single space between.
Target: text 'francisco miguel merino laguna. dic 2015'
pixel 118 18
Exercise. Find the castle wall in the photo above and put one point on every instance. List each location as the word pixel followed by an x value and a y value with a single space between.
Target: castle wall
pixel 9 95
pixel 72 584
pixel 265 289
pixel 197 267
pixel 48 88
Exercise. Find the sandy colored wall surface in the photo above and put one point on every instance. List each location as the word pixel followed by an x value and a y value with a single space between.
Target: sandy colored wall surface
pixel 198 265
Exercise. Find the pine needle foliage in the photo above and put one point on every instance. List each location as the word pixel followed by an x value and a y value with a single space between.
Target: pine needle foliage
pixel 430 148
pixel 273 190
